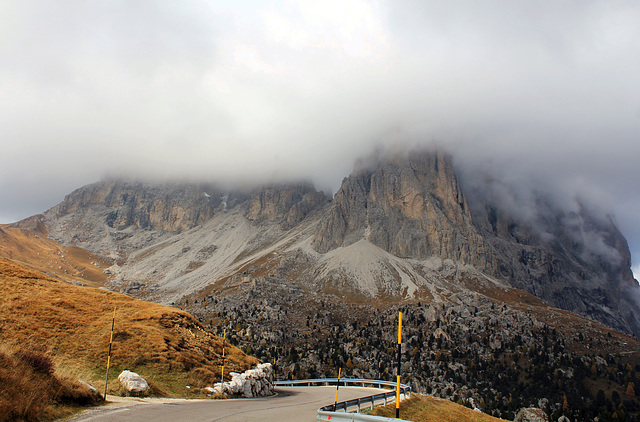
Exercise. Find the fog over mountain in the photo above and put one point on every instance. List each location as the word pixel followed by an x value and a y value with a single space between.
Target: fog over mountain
pixel 544 96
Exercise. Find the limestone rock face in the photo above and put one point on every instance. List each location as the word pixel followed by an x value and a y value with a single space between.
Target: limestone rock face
pixel 133 382
pixel 172 208
pixel 286 204
pixel 574 259
pixel 411 206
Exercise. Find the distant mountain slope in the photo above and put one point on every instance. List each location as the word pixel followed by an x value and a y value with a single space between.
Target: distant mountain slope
pixel 26 242
pixel 400 227
pixel 72 325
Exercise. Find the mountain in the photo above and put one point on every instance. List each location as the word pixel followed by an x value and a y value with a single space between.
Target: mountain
pixel 400 227
pixel 484 278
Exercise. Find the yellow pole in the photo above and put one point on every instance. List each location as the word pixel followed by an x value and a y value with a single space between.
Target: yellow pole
pixel 398 371
pixel 335 403
pixel 106 382
pixel 224 337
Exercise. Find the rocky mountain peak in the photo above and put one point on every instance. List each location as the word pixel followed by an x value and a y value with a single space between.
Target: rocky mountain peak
pixel 410 206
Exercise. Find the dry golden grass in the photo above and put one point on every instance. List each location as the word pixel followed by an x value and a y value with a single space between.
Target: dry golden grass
pixel 72 325
pixel 31 391
pixel 421 408
pixel 27 243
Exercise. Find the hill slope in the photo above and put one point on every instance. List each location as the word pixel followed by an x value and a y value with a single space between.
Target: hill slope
pixel 71 324
pixel 27 243
pixel 432 409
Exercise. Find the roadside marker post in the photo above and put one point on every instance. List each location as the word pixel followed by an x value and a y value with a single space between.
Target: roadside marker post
pixel 335 403
pixel 106 381
pixel 224 337
pixel 398 370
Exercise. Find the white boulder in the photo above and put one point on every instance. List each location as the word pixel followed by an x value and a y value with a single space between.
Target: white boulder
pixel 133 382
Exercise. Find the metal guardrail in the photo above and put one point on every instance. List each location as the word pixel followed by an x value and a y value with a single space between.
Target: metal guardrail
pixel 327 413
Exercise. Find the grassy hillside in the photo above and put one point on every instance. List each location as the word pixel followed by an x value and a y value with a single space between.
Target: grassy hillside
pixel 432 409
pixel 27 243
pixel 71 325
pixel 31 391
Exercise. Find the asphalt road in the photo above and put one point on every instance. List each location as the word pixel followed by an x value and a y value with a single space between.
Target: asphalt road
pixel 290 404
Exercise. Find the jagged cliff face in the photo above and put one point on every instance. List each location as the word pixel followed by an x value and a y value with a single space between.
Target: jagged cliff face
pixel 411 207
pixel 576 260
pixel 171 208
pixel 288 205
pixel 113 217
pixel 399 227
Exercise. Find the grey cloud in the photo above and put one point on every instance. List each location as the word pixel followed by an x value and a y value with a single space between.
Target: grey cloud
pixel 544 94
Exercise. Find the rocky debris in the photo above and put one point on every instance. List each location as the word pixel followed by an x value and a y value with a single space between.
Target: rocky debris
pixel 256 382
pixel 531 414
pixel 133 382
pixel 464 347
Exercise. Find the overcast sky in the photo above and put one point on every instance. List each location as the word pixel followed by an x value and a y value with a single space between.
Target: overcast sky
pixel 547 91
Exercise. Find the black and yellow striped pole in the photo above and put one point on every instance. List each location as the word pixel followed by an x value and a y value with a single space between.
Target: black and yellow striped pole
pixel 224 337
pixel 106 381
pixel 398 371
pixel 335 403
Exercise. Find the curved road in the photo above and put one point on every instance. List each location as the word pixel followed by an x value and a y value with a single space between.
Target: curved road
pixel 290 404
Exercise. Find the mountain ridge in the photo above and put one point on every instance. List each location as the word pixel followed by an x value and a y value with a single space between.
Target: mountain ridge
pixel 171 240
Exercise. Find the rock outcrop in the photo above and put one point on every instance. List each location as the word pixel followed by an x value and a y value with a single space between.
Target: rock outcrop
pixel 170 207
pixel 410 206
pixel 531 414
pixel 286 204
pixel 575 259
pixel 256 382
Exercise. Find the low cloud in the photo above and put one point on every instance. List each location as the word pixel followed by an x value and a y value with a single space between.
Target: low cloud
pixel 546 95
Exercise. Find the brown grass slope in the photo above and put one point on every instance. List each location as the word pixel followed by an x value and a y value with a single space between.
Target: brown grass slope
pixel 72 324
pixel 421 408
pixel 26 242
pixel 30 391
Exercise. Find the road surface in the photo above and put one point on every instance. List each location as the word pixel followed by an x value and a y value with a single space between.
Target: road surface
pixel 290 404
